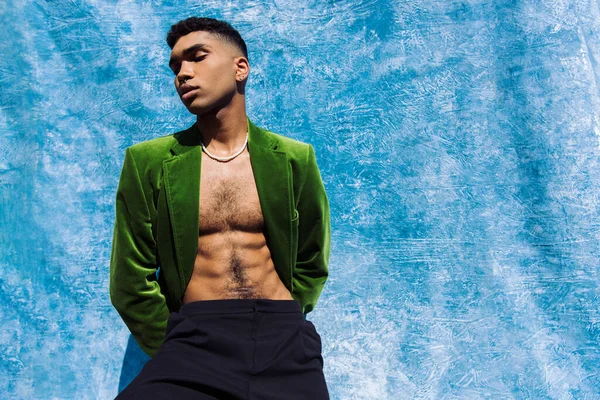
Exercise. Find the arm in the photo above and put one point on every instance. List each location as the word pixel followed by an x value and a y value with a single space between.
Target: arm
pixel 311 270
pixel 134 291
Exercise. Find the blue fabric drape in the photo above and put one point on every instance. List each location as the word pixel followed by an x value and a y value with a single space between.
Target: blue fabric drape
pixel 458 142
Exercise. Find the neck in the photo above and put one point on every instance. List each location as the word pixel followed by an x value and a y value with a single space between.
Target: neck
pixel 223 133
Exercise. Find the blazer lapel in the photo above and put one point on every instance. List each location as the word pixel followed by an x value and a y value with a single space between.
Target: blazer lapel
pixel 181 174
pixel 273 176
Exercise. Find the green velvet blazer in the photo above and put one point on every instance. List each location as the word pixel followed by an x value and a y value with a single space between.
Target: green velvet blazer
pixel 157 215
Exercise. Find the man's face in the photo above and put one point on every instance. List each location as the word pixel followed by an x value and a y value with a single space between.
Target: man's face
pixel 211 69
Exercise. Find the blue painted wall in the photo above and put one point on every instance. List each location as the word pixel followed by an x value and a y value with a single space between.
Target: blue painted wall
pixel 458 142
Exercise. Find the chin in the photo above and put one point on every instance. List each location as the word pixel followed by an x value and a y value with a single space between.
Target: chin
pixel 196 108
pixel 203 108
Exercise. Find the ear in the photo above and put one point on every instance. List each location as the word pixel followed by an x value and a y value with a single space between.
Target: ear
pixel 242 68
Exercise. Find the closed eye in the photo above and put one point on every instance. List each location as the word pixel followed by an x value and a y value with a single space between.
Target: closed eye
pixel 199 58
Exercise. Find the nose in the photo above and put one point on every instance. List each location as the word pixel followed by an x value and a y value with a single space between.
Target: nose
pixel 185 72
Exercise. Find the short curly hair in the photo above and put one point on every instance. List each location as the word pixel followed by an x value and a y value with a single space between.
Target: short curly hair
pixel 221 29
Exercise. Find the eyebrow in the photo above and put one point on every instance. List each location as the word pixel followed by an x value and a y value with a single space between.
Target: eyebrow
pixel 191 49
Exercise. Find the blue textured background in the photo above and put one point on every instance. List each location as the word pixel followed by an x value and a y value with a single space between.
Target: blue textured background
pixel 458 142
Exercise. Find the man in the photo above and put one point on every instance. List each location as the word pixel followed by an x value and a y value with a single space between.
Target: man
pixel 221 241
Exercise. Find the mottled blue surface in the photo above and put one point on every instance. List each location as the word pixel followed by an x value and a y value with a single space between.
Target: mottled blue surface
pixel 458 142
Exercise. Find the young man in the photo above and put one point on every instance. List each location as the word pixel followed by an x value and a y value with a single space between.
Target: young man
pixel 221 241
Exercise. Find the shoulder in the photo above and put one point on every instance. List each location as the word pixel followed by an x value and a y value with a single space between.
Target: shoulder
pixel 158 145
pixel 153 151
pixel 294 148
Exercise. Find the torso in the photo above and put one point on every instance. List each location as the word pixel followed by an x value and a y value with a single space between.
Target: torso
pixel 233 260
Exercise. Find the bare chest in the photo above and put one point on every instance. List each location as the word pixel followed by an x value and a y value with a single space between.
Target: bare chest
pixel 228 197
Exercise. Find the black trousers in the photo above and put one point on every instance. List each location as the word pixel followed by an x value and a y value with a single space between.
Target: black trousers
pixel 254 349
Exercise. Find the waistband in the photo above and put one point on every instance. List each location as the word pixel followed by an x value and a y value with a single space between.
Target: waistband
pixel 240 306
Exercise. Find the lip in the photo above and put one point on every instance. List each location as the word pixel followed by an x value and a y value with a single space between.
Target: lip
pixel 190 93
pixel 186 88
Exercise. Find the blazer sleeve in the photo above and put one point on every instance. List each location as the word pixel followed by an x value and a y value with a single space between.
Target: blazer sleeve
pixel 134 290
pixel 311 269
